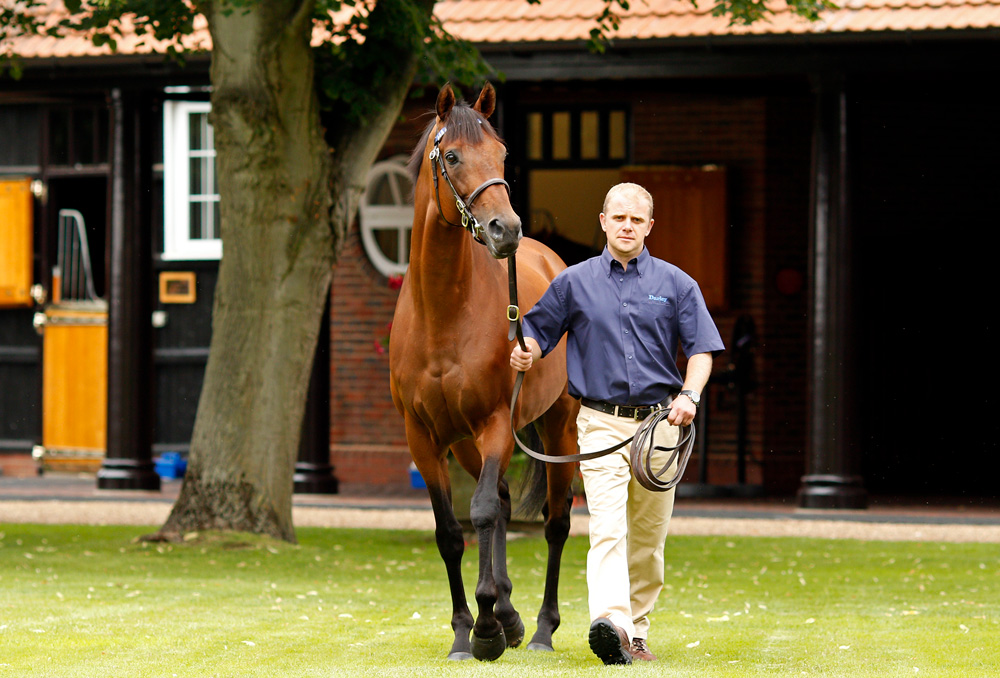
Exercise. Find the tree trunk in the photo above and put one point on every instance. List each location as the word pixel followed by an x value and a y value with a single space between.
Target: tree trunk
pixel 285 204
pixel 274 174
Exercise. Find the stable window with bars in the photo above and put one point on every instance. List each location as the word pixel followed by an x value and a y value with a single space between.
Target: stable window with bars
pixel 580 137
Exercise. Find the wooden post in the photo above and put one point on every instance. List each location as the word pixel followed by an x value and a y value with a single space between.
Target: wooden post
pixel 128 464
pixel 832 480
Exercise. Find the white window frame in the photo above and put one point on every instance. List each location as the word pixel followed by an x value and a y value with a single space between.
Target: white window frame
pixel 178 245
pixel 397 217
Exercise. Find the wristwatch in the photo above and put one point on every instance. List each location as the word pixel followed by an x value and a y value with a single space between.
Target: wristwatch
pixel 693 395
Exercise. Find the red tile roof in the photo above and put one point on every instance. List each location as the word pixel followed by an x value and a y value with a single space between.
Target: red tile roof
pixel 493 22
pixel 499 21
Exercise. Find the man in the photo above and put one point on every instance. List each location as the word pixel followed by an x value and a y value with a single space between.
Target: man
pixel 625 313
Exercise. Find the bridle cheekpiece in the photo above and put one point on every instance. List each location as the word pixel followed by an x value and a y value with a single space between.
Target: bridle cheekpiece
pixel 469 221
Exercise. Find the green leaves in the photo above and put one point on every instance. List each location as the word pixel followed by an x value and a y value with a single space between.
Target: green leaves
pixel 747 12
pixel 375 43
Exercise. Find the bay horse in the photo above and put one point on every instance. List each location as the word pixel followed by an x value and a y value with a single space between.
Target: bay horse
pixel 450 375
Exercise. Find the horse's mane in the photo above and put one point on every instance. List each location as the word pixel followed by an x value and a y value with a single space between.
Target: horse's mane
pixel 465 124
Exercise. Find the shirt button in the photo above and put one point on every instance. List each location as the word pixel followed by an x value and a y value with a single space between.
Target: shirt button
pixel 630 357
pixel 626 331
pixel 624 303
pixel 621 279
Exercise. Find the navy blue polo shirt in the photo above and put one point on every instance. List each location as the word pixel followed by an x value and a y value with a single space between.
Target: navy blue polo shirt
pixel 623 327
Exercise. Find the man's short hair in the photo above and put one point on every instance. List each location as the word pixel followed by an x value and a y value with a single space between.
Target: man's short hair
pixel 631 190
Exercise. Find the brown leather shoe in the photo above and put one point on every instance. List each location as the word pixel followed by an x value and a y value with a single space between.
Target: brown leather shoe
pixel 609 642
pixel 641 651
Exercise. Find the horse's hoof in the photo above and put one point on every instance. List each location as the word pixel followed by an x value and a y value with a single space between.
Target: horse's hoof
pixel 488 649
pixel 540 647
pixel 459 656
pixel 514 633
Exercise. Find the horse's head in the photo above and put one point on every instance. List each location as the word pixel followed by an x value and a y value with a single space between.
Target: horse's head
pixel 468 155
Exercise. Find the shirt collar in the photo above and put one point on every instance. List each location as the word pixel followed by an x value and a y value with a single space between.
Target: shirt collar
pixel 639 262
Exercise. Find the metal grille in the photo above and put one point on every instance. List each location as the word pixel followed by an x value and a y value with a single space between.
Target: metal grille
pixel 73 276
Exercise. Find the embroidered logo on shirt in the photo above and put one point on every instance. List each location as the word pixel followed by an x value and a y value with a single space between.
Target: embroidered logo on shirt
pixel 662 300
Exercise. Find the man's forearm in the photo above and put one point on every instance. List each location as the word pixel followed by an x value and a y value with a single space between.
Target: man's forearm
pixel 699 369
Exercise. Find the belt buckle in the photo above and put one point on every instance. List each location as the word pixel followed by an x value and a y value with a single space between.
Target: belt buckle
pixel 649 411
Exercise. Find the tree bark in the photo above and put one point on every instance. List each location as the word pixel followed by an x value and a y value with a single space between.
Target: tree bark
pixel 287 197
pixel 274 174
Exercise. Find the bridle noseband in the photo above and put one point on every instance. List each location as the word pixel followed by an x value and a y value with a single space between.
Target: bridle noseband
pixel 469 221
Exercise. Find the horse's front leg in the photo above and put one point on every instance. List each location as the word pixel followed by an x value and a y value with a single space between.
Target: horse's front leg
pixel 488 640
pixel 433 466
pixel 513 627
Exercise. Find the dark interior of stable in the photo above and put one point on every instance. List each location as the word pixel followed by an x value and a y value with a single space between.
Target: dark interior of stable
pixel 923 256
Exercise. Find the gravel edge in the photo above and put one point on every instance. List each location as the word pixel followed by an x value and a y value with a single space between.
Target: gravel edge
pixel 155 513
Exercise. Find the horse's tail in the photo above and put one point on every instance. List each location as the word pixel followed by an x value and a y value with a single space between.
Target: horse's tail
pixel 534 483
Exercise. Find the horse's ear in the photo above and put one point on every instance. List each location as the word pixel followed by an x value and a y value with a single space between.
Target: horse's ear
pixel 445 102
pixel 487 100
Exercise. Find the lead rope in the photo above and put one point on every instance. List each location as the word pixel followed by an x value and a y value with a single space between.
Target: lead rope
pixel 641 453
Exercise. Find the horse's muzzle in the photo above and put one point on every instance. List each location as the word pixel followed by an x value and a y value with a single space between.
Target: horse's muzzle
pixel 503 237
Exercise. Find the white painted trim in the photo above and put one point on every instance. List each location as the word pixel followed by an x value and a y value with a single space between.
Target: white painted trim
pixel 397 217
pixel 177 242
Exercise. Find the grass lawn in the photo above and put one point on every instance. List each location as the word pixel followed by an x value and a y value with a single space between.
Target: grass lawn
pixel 93 601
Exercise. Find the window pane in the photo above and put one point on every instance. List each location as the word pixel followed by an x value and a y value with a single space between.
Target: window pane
pixel 204 215
pixel 560 136
pixel 616 134
pixel 19 127
pixel 535 123
pixel 200 132
pixel 388 242
pixel 202 176
pixel 59 136
pixel 83 136
pixel 197 176
pixel 380 192
pixel 590 135
pixel 101 152
pixel 197 221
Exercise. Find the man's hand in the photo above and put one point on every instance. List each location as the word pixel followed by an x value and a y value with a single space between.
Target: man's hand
pixel 699 369
pixel 682 411
pixel 522 360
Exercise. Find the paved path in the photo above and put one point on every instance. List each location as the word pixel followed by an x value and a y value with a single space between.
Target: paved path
pixel 74 499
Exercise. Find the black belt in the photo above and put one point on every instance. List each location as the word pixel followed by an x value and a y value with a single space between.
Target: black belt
pixel 637 412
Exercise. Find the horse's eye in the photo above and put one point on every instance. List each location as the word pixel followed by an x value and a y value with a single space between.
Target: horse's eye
pixel 451 158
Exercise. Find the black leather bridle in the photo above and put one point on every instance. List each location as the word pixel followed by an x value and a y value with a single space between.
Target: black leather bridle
pixel 469 221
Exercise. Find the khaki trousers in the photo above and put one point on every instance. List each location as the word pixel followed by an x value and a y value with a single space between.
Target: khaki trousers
pixel 628 523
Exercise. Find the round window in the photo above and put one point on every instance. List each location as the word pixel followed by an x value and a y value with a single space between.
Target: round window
pixel 387 216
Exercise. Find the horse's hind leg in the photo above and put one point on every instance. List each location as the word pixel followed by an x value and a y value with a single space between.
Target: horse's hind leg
pixel 450 540
pixel 558 432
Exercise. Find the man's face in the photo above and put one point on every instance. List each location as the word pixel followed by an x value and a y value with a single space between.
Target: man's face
pixel 626 223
